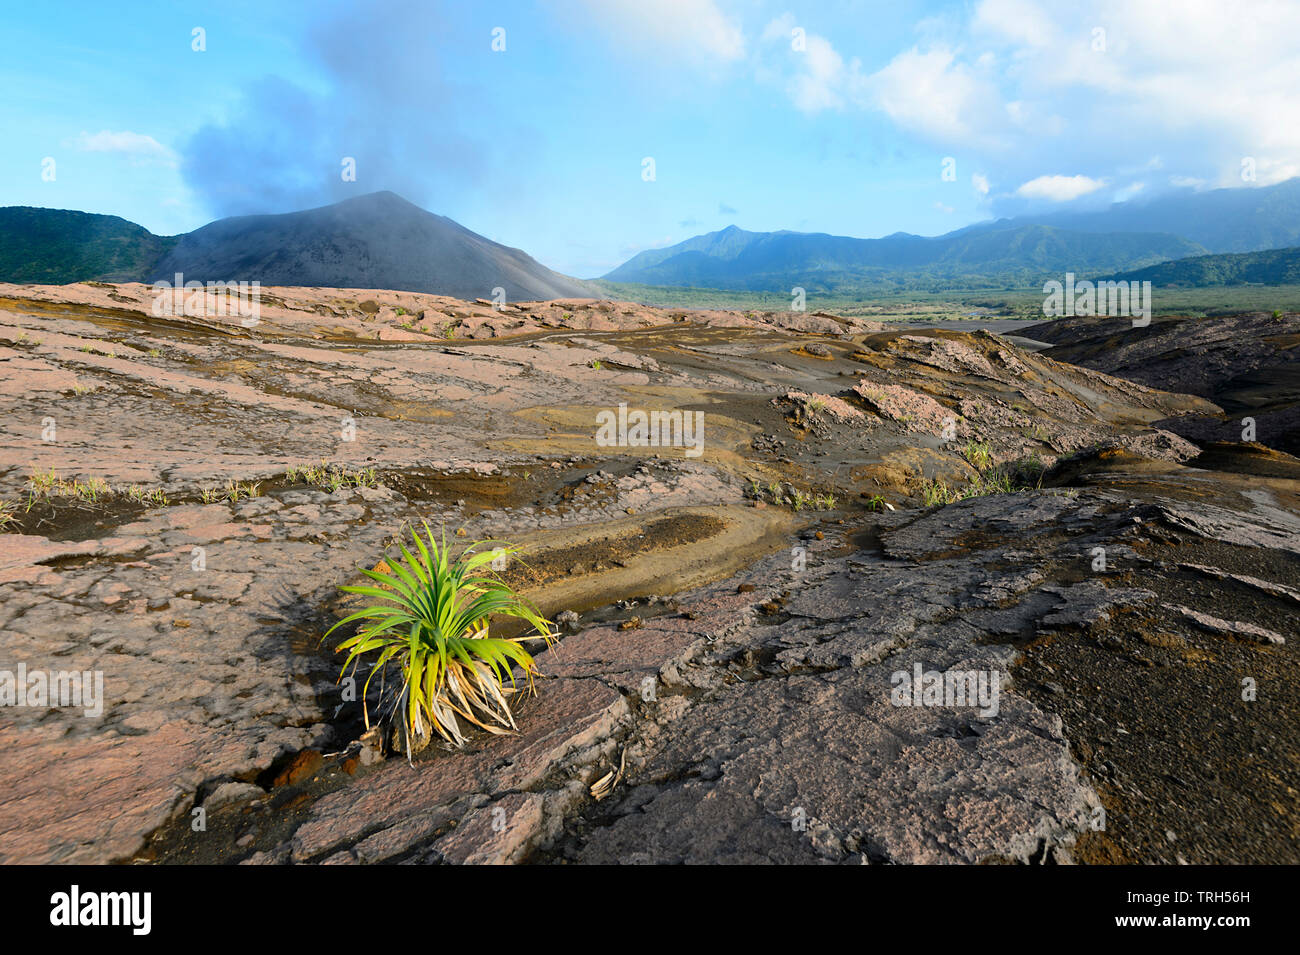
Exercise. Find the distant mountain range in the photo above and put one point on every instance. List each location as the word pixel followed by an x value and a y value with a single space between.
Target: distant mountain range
pixel 1245 219
pixel 382 241
pixel 1000 254
pixel 778 261
pixel 377 241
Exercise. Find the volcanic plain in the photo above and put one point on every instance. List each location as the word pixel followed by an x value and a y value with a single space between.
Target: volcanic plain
pixel 185 494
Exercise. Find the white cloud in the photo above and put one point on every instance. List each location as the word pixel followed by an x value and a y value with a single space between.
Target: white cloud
pixel 818 77
pixel 690 28
pixel 134 144
pixel 1019 20
pixel 819 85
pixel 1200 83
pixel 1210 81
pixel 779 28
pixel 935 94
pixel 1059 188
pixel 980 182
pixel 931 93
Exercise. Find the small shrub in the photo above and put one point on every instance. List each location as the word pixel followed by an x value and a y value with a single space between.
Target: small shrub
pixel 433 625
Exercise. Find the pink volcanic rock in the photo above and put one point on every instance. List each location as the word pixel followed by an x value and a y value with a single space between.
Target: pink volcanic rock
pixel 835 407
pixel 917 412
pixel 568 715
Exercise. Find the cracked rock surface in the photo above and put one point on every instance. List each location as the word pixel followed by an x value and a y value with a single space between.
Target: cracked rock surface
pixel 737 622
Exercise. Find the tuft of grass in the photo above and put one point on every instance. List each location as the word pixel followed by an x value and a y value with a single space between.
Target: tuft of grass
pixel 796 498
pixel 978 454
pixel 43 482
pixel 8 511
pixel 237 491
pixel 1025 474
pixel 333 476
pixel 91 490
pixel 876 502
pixel 433 624
pixel 43 485
pixel 936 493
pixel 150 497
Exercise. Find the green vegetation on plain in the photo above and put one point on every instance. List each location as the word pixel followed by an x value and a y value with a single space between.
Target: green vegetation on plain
pixel 956 303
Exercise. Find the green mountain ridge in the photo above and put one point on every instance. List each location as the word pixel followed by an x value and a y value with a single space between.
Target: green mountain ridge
pixel 1268 267
pixel 59 246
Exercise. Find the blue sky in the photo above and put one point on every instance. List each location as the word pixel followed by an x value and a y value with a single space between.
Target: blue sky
pixel 829 116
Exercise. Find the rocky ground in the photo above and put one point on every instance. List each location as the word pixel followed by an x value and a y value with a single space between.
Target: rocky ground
pixel 1248 365
pixel 188 492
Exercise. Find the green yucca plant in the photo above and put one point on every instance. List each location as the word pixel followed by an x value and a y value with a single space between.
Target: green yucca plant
pixel 434 626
